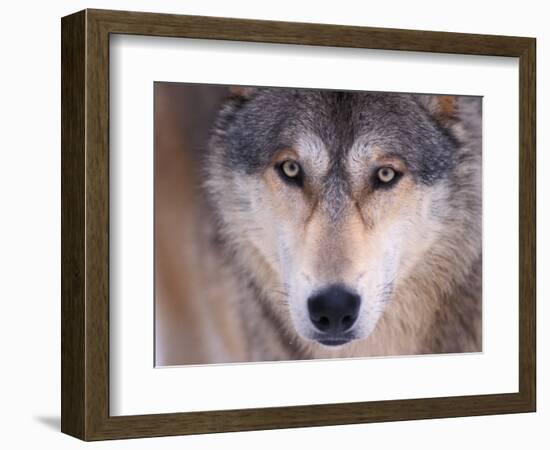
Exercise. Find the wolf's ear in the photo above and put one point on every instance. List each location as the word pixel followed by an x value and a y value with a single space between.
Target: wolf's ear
pixel 236 98
pixel 461 115
pixel 242 92
pixel 443 108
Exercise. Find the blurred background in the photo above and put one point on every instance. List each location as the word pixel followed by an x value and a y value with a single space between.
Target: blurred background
pixel 192 321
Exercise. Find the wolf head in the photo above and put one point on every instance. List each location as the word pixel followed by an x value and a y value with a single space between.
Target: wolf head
pixel 330 201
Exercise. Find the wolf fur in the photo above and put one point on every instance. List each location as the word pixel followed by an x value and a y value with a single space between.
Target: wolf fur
pixel 412 251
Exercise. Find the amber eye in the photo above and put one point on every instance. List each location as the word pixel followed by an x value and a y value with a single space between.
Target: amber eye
pixel 386 174
pixel 291 168
pixel 291 172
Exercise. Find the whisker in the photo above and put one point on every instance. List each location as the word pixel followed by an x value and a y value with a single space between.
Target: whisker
pixel 360 277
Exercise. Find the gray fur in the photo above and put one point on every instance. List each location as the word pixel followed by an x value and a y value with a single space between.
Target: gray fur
pixel 435 308
pixel 251 130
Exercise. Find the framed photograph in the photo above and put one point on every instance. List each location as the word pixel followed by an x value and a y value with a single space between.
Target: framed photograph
pixel 272 225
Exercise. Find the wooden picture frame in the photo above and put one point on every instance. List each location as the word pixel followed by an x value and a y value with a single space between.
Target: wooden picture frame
pixel 85 224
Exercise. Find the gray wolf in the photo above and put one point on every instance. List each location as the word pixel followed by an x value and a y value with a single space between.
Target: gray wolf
pixel 350 221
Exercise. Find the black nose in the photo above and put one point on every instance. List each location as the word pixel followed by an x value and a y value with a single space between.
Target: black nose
pixel 334 309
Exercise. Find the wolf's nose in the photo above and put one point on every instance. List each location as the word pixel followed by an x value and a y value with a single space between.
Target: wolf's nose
pixel 334 309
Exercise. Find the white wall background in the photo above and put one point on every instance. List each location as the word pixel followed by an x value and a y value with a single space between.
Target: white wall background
pixel 30 221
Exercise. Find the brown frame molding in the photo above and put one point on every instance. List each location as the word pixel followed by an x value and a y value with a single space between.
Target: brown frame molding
pixel 85 224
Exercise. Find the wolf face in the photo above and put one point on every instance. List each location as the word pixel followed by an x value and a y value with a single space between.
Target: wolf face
pixel 329 201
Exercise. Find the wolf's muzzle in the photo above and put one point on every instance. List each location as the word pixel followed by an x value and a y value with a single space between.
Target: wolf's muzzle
pixel 333 311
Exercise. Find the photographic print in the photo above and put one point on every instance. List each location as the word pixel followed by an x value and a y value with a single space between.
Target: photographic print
pixel 297 223
pixel 298 227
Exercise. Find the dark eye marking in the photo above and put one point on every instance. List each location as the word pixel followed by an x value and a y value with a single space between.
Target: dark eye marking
pixel 291 172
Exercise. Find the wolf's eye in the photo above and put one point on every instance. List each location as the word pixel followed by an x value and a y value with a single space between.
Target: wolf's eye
pixel 386 177
pixel 291 172
pixel 386 174
pixel 291 168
